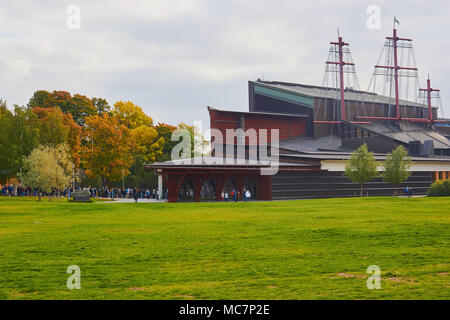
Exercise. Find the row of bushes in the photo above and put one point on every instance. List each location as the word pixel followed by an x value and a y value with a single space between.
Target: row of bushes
pixel 440 188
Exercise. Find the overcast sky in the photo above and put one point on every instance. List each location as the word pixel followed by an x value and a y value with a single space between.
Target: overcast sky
pixel 175 57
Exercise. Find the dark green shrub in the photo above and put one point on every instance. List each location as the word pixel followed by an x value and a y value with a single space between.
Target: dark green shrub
pixel 439 189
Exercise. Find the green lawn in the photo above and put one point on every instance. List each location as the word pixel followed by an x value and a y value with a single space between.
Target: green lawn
pixel 311 249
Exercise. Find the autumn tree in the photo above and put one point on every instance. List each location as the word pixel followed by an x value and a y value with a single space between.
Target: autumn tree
pixel 396 167
pixel 130 115
pixel 146 143
pixel 73 139
pixel 361 167
pixel 78 106
pixel 107 151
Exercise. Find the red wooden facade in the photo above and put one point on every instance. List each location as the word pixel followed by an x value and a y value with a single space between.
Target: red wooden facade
pixel 288 125
pixel 174 178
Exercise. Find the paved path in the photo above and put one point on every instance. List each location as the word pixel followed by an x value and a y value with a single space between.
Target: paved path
pixel 119 200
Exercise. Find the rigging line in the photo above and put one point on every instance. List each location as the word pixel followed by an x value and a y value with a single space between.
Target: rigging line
pixel 407 79
pixel 337 94
pixel 389 76
pixel 400 84
pixel 416 72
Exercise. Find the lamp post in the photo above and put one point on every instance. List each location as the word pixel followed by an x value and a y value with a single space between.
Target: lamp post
pixel 123 181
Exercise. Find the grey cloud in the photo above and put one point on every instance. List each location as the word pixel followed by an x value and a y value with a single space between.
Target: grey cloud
pixel 175 57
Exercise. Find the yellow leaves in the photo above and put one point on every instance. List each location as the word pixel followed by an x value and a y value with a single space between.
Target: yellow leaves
pixel 146 143
pixel 131 115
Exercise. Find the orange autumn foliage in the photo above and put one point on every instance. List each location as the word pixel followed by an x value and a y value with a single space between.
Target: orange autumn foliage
pixel 107 149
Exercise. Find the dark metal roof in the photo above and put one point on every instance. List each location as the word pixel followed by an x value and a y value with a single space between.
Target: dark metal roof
pixel 406 132
pixel 260 113
pixel 306 143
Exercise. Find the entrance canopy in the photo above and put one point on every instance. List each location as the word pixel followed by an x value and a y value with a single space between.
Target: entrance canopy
pixel 196 171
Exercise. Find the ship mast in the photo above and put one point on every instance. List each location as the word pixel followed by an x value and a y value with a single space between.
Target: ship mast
pixel 396 68
pixel 429 90
pixel 340 44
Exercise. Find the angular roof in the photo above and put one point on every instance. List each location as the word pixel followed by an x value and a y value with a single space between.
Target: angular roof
pixel 333 93
pixel 212 162
pixel 406 132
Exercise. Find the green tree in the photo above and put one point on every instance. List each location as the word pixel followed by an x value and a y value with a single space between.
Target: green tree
pixel 101 105
pixel 19 135
pixel 47 168
pixel 41 99
pixel 79 107
pixel 361 167
pixel 165 131
pixel 52 129
pixel 24 135
pixel 6 125
pixel 396 167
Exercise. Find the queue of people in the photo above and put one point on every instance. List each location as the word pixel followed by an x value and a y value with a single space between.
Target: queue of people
pixel 10 190
pixel 124 193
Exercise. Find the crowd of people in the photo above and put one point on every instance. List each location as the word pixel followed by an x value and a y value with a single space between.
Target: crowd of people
pixel 20 191
pixel 124 193
pixel 113 193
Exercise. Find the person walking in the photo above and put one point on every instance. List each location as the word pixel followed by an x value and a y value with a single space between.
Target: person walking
pixel 247 195
pixel 135 196
pixel 226 196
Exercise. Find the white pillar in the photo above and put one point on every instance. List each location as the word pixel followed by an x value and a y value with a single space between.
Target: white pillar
pixel 160 186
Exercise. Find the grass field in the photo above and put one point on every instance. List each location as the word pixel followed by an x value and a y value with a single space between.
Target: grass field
pixel 310 249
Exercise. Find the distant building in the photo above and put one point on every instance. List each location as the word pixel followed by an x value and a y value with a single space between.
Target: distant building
pixel 318 128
